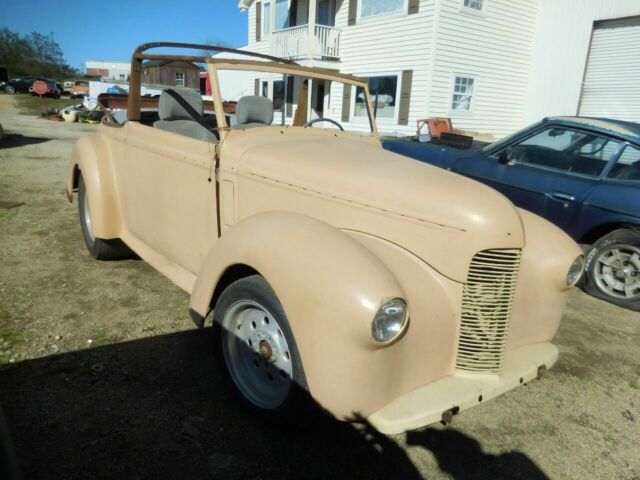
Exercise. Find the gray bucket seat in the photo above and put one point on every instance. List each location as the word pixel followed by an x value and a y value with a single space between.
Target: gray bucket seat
pixel 253 111
pixel 181 111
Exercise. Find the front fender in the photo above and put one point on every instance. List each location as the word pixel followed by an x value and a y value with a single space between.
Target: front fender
pixel 541 291
pixel 91 157
pixel 330 286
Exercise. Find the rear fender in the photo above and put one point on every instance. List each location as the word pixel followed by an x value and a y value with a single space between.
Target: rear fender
pixel 91 158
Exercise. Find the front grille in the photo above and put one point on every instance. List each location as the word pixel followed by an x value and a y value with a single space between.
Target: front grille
pixel 487 299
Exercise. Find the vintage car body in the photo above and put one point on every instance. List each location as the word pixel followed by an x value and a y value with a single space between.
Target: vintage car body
pixel 337 226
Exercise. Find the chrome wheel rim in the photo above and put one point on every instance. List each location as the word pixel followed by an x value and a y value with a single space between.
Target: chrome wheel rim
pixel 87 216
pixel 257 354
pixel 617 272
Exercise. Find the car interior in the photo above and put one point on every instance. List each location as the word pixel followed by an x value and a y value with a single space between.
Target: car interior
pixel 181 111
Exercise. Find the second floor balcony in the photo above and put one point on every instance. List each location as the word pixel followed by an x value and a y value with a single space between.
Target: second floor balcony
pixel 299 29
pixel 317 42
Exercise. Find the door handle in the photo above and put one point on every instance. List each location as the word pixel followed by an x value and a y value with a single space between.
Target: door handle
pixel 563 197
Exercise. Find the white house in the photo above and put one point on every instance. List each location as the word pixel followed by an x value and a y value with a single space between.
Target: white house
pixel 493 66
pixel 108 70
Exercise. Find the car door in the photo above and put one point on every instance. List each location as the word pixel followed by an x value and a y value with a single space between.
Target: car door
pixel 168 194
pixel 549 172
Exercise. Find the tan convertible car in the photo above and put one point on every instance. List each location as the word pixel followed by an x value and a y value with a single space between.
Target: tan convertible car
pixel 386 288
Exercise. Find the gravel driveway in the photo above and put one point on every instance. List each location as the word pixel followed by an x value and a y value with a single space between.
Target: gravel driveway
pixel 102 374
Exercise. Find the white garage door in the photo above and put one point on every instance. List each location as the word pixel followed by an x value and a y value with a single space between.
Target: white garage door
pixel 612 80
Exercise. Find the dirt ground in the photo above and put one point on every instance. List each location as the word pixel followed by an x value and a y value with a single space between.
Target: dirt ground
pixel 102 374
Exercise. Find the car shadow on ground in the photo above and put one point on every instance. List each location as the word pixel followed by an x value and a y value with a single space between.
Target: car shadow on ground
pixel 12 140
pixel 160 408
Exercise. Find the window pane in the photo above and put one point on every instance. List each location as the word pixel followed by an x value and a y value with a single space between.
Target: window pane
pixel 566 150
pixel 377 7
pixel 462 94
pixel 383 97
pixel 282 14
pixel 180 79
pixel 266 19
pixel 475 4
pixel 628 165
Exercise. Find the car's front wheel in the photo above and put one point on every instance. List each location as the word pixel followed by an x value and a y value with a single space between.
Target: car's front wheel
pixel 10 89
pixel 613 268
pixel 99 248
pixel 254 340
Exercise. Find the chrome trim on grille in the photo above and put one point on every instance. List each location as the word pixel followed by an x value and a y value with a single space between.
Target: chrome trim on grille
pixel 487 299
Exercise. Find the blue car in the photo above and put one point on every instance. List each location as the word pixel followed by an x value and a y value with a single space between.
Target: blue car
pixel 583 174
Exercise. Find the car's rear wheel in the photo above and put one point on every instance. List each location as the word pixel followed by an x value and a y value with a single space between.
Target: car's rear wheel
pixel 10 89
pixel 100 249
pixel 254 340
pixel 613 269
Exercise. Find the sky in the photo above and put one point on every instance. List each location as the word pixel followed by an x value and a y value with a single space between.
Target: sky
pixel 111 29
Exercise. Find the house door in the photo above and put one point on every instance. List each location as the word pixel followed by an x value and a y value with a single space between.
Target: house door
pixel 326 13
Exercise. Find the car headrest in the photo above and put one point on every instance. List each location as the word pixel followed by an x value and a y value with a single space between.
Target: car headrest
pixel 180 104
pixel 254 109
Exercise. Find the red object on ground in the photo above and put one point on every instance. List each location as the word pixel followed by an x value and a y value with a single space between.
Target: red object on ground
pixel 40 87
pixel 205 84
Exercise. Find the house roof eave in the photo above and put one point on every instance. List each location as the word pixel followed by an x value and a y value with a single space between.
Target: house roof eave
pixel 245 4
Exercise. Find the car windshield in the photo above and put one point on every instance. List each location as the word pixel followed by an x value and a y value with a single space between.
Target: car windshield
pixel 300 99
pixel 498 144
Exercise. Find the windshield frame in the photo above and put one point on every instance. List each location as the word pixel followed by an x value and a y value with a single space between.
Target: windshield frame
pixel 215 65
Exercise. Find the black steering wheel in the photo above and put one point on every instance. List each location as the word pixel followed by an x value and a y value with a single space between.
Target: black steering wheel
pixel 322 119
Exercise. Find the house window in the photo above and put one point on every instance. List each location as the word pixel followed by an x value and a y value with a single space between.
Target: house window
pixel 384 91
pixel 278 95
pixel 180 79
pixel 265 89
pixel 121 76
pixel 282 14
pixel 370 8
pixel 462 94
pixel 473 4
pixel 266 19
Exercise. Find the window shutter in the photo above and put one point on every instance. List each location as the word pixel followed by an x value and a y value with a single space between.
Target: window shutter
pixel 258 21
pixel 256 87
pixel 414 6
pixel 353 12
pixel 405 97
pixel 346 102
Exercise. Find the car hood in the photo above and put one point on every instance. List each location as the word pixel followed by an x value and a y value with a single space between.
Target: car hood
pixel 355 185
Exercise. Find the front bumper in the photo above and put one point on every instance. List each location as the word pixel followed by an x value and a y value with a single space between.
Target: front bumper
pixel 461 391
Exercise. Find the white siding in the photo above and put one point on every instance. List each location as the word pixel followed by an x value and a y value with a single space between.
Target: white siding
pixel 562 44
pixel 495 49
pixel 387 45
pixel 611 85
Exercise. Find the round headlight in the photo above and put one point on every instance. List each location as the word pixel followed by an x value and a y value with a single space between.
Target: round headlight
pixel 575 271
pixel 390 320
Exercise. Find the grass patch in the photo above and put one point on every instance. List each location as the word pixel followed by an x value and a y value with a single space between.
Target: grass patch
pixel 8 341
pixel 29 105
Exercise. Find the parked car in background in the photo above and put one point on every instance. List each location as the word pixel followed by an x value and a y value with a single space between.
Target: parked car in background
pixel 384 288
pixel 583 174
pixel 19 85
pixel 80 89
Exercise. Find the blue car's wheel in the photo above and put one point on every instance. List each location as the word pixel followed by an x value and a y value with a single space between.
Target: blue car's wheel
pixel 613 269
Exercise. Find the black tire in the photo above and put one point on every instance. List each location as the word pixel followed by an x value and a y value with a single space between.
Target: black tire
pixel 255 288
pixel 595 282
pixel 9 89
pixel 113 249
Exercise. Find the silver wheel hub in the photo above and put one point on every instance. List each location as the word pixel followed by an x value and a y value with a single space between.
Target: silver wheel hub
pixel 257 354
pixel 617 270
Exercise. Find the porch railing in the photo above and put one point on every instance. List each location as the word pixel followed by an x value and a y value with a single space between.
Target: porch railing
pixel 294 43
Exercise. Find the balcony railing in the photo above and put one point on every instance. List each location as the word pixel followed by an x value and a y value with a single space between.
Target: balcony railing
pixel 295 43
